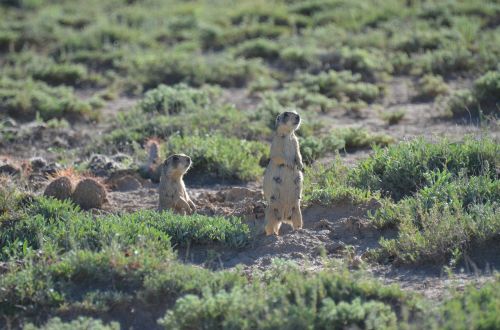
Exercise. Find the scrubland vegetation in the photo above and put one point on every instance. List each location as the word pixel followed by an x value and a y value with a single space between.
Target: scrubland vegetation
pixel 207 78
pixel 441 197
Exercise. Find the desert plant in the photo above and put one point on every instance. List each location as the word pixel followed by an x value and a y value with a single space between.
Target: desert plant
pixel 89 193
pixel 483 98
pixel 430 86
pixel 340 85
pixel 400 170
pixel 393 117
pixel 60 188
pixel 262 48
pixel 24 99
pixel 218 156
pixel 173 100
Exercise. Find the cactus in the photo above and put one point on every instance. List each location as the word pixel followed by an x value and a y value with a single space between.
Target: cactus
pixel 60 188
pixel 89 193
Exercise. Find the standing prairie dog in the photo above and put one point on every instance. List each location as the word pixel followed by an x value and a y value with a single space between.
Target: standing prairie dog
pixel 283 176
pixel 173 194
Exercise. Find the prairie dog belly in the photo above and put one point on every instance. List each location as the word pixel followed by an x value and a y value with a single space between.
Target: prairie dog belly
pixel 169 191
pixel 282 188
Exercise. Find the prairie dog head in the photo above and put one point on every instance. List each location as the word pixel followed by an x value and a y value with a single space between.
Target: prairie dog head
pixel 176 165
pixel 287 122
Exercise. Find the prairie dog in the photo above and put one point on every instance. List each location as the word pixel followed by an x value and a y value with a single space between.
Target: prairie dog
pixel 172 191
pixel 283 176
pixel 151 169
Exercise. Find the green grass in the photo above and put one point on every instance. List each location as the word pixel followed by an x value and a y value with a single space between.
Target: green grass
pixel 62 226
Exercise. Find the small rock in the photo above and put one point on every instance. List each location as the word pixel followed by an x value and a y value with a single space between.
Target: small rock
pixel 297 255
pixel 51 169
pixel 127 183
pixel 9 169
pixel 334 247
pixel 239 193
pixel 323 224
pixel 102 165
pixel 121 157
pixel 37 163
pixel 60 142
pixel 356 262
pixel 9 122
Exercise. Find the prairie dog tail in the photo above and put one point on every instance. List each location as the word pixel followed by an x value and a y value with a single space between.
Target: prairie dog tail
pixel 151 169
pixel 153 150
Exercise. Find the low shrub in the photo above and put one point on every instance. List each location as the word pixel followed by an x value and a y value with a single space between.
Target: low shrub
pixel 448 61
pixel 429 87
pixel 262 48
pixel 401 170
pixel 367 63
pixel 137 126
pixel 341 85
pixel 176 99
pixel 423 39
pixel 393 117
pixel 82 323
pixel 442 220
pixel 25 99
pixel 148 70
pixel 473 308
pixel 331 185
pixel 483 98
pixel 344 138
pixel 66 227
pixel 320 301
pixel 221 157
pixel 296 57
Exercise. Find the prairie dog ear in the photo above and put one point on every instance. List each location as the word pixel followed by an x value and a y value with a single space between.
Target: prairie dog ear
pixel 278 119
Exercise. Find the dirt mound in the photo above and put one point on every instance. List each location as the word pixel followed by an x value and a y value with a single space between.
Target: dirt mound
pixel 236 201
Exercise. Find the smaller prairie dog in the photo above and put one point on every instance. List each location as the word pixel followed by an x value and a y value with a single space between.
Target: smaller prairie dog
pixel 283 176
pixel 173 194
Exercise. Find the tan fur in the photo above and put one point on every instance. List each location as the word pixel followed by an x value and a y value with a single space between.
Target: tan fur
pixel 283 177
pixel 152 169
pixel 172 191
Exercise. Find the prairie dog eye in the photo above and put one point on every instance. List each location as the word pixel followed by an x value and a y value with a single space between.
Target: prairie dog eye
pixel 175 158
